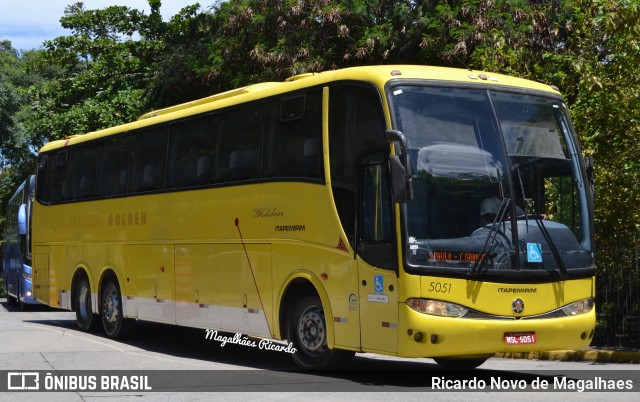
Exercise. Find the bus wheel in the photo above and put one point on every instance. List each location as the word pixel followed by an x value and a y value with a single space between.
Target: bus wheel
pixel 22 305
pixel 307 330
pixel 87 321
pixel 113 321
pixel 460 363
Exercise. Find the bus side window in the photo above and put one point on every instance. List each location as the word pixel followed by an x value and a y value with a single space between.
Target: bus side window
pixel 376 216
pixel 114 166
pixel 376 203
pixel 82 171
pixel 44 179
pixel 293 137
pixel 60 177
pixel 238 135
pixel 149 157
pixel 356 122
pixel 190 150
pixel 312 158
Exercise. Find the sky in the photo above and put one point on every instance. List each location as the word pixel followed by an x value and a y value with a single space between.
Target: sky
pixel 28 23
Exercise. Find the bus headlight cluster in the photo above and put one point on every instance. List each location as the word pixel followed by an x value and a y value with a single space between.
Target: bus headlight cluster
pixel 579 307
pixel 436 307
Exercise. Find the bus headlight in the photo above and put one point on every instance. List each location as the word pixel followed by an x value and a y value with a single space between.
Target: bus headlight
pixel 579 307
pixel 436 307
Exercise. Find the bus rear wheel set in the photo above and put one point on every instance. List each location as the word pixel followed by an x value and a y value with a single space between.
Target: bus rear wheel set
pixel 111 317
pixel 113 321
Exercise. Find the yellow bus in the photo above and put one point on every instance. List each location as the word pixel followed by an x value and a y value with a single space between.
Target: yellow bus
pixel 403 210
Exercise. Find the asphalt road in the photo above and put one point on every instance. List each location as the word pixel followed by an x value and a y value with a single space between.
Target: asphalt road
pixel 47 341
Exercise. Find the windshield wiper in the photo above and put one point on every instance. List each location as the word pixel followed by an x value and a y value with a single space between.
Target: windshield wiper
pixel 478 265
pixel 543 229
pixel 554 250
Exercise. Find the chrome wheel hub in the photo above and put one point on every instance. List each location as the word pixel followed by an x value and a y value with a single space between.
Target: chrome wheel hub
pixel 110 307
pixel 311 330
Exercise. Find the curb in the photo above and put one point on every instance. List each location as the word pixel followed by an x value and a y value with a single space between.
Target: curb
pixel 602 356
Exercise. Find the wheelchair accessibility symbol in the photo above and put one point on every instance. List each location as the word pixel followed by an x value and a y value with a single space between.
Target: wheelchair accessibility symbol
pixel 378 283
pixel 533 252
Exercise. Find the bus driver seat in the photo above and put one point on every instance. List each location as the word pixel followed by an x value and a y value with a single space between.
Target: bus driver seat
pixel 312 157
pixel 150 178
pixel 243 165
pixel 203 170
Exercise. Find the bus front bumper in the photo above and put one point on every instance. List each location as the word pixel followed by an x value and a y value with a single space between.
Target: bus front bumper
pixel 423 335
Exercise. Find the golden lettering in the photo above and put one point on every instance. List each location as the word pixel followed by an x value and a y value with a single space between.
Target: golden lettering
pixel 138 218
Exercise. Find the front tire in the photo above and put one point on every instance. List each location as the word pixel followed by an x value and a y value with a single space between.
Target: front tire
pixel 307 330
pixel 113 321
pixel 87 321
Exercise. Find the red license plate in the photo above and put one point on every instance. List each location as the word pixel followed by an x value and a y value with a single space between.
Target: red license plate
pixel 520 338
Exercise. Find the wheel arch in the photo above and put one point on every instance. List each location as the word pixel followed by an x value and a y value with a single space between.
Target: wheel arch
pixel 298 284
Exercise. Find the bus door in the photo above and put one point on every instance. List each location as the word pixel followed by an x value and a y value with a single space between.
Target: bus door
pixel 376 257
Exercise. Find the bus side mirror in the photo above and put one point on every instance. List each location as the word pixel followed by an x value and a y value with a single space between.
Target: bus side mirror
pixel 588 165
pixel 22 219
pixel 400 166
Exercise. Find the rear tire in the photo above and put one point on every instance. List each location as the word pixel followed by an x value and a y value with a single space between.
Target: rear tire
pixel 113 321
pixel 87 321
pixel 22 305
pixel 307 331
pixel 460 363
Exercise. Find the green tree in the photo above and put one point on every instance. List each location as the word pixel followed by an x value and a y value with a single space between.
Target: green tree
pixel 259 40
pixel 102 70
pixel 17 159
pixel 607 113
pixel 11 100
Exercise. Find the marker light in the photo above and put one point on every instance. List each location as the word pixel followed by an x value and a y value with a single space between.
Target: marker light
pixel 436 307
pixel 579 307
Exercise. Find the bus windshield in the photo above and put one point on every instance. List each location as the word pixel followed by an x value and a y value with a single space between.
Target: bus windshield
pixel 498 184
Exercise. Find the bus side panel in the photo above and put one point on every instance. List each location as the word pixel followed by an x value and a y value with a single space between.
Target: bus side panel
pixel 196 297
pixel 378 308
pixel 287 258
pixel 59 275
pixel 245 302
pixel 150 273
pixel 215 287
pixel 41 274
pixel 73 257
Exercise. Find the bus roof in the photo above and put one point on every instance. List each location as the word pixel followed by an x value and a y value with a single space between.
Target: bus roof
pixel 377 75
